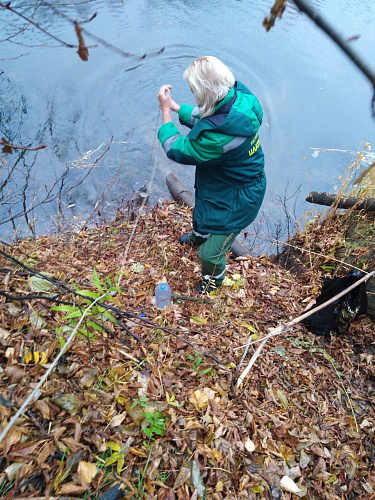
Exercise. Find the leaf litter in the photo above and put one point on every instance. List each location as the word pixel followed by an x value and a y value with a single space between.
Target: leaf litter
pixel 139 406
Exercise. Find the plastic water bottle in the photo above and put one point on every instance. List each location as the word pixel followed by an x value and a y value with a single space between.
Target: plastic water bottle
pixel 163 295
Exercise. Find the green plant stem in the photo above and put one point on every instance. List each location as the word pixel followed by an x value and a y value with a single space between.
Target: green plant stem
pixel 330 359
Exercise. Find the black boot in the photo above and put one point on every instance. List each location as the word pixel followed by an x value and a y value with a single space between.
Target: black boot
pixel 206 286
pixel 185 239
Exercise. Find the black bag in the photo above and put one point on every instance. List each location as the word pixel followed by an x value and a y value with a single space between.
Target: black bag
pixel 336 317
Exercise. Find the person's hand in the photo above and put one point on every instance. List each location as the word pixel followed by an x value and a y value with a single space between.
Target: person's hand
pixel 174 106
pixel 164 97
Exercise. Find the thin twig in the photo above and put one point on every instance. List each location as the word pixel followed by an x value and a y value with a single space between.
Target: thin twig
pixel 5 143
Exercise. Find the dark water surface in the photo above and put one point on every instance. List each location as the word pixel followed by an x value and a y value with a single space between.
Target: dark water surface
pixel 312 95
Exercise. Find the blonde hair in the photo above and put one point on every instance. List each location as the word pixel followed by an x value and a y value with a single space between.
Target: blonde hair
pixel 210 81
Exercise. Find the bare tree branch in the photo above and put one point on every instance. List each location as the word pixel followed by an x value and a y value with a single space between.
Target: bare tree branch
pixel 100 40
pixel 324 25
pixel 7 147
pixel 28 20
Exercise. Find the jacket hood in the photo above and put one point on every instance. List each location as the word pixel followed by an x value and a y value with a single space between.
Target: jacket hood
pixel 240 116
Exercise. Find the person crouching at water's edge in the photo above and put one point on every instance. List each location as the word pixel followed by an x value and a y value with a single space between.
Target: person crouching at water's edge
pixel 224 145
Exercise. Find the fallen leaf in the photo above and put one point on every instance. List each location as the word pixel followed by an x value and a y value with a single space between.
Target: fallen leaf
pixel 47 450
pixel 12 470
pixel 71 489
pixel 86 472
pixel 44 409
pixel 68 402
pixel 24 449
pixel 117 420
pixel 38 284
pixel 249 445
pixel 13 437
pixel 282 398
pixel 14 373
pixel 287 484
pixel 182 477
pixel 199 399
pixel 304 459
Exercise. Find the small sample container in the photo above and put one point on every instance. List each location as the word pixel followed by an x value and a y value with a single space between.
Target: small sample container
pixel 163 295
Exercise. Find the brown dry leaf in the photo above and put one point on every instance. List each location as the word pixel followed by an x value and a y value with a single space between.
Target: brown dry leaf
pixel 82 51
pixel 138 452
pixel 14 373
pixel 47 450
pixel 117 420
pixel 199 400
pixel 86 472
pixel 24 449
pixel 182 477
pixel 7 148
pixel 277 10
pixel 72 489
pixel 44 409
pixel 166 494
pixel 72 444
pixel 13 437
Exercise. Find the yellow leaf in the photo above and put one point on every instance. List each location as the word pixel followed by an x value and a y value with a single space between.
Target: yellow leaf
pixel 28 357
pixel 219 486
pixel 36 357
pixel 43 358
pixel 139 453
pixel 113 459
pixel 216 455
pixel 121 400
pixel 86 472
pixel 120 464
pixel 113 446
pixel 199 399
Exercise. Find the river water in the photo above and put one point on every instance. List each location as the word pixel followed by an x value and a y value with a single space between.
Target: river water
pixel 312 95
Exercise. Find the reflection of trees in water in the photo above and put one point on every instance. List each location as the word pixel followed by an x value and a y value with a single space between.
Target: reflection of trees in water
pixel 25 194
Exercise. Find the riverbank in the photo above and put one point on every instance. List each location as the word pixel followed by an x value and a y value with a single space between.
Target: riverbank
pixel 141 397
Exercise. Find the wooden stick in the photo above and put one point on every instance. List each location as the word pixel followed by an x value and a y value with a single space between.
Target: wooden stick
pixel 282 328
pixel 328 199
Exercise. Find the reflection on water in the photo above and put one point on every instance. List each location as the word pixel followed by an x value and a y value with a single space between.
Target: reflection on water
pixel 311 94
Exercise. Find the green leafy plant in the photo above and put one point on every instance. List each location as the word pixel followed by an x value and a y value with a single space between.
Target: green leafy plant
pixel 96 313
pixel 156 420
pixel 141 401
pixel 197 362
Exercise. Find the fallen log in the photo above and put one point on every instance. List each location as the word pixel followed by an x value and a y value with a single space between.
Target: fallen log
pixel 328 199
pixel 180 193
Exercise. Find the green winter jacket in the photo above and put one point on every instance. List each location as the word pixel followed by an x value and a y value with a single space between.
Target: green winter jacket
pixel 229 180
